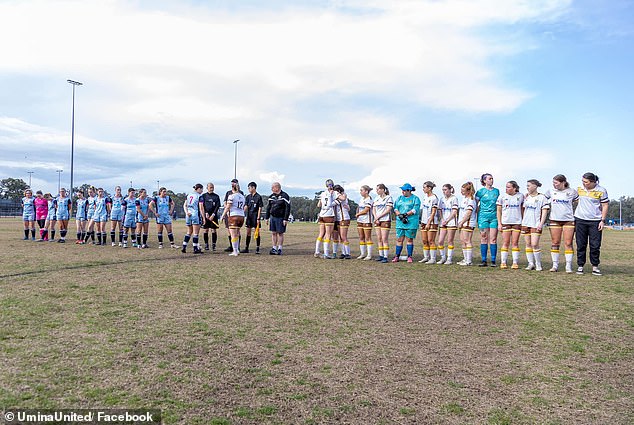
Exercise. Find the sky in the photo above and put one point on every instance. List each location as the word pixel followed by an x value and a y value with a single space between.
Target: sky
pixel 363 92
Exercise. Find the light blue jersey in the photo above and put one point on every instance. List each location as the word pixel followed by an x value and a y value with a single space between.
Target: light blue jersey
pixel 82 204
pixel 91 206
pixel 28 212
pixel 52 207
pixel 116 210
pixel 63 208
pixel 192 202
pixel 101 210
pixel 162 209
pixel 144 205
pixel 129 205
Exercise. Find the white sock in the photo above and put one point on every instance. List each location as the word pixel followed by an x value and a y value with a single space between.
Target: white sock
pixel 530 256
pixel 362 248
pixel 370 247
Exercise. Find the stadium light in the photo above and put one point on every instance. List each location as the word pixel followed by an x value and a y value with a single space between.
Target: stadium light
pixel 72 138
pixel 621 213
pixel 59 179
pixel 30 173
pixel 235 159
pixel 158 185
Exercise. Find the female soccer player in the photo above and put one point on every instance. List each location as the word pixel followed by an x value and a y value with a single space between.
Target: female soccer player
pixel 235 211
pixel 162 206
pixel 535 215
pixel 129 217
pixel 364 223
pixel 326 219
pixel 468 220
pixel 90 227
pixel 28 214
pixel 100 215
pixel 142 205
pixel 589 220
pixel 382 209
pixel 41 210
pixel 407 210
pixel 80 216
pixel 50 217
pixel 509 214
pixel 342 209
pixel 448 206
pixel 561 221
pixel 64 210
pixel 429 223
pixel 211 203
pixel 116 216
pixel 194 212
pixel 487 198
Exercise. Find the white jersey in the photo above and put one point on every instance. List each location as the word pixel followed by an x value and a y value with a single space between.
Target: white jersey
pixel 560 203
pixel 327 200
pixel 590 201
pixel 237 202
pixel 511 208
pixel 427 203
pixel 446 206
pixel 342 208
pixel 533 206
pixel 380 207
pixel 468 205
pixel 363 204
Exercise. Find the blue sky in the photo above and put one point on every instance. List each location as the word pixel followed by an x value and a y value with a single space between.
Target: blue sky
pixel 359 91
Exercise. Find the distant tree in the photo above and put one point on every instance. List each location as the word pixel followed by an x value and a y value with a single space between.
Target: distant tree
pixel 13 189
pixel 627 210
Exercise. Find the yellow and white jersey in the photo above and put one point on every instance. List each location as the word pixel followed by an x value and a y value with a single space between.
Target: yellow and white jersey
pixel 427 203
pixel 511 208
pixel 533 206
pixel 560 203
pixel 327 200
pixel 381 205
pixel 589 206
pixel 237 204
pixel 363 204
pixel 446 206
pixel 341 207
pixel 468 205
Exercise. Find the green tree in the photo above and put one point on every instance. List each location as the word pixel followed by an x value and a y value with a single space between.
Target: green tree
pixel 13 189
pixel 627 210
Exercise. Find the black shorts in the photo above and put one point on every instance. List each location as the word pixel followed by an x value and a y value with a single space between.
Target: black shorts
pixel 251 221
pixel 276 225
pixel 211 224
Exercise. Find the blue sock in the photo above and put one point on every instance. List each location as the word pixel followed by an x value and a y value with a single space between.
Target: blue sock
pixel 410 250
pixel 483 251
pixel 494 252
pixel 399 249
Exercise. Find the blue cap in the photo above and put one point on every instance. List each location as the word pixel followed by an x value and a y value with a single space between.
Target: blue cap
pixel 407 186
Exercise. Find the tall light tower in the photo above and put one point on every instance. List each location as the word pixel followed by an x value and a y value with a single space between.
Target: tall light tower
pixel 235 159
pixel 59 179
pixel 30 173
pixel 72 137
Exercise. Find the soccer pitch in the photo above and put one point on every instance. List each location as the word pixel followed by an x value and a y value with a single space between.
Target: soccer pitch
pixel 292 339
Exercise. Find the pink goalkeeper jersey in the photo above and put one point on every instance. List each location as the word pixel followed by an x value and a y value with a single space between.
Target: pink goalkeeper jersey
pixel 41 208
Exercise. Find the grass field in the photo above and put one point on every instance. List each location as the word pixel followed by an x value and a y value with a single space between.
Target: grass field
pixel 292 339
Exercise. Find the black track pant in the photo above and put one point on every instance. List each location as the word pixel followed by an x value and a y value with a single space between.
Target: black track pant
pixel 588 231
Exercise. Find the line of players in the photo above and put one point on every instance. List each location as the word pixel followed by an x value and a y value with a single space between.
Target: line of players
pixel 512 213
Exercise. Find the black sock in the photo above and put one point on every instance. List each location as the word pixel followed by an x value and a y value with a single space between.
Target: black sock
pixel 214 238
pixel 257 241
pixel 125 238
pixel 145 238
pixel 52 234
pixel 248 241
pixel 170 236
pixel 206 238
pixel 32 233
pixel 63 233
pixel 120 236
pixel 138 239
pixel 112 236
pixel 92 235
pixel 195 241
pixel 186 240
pixel 26 233
pixel 78 235
pixel 160 237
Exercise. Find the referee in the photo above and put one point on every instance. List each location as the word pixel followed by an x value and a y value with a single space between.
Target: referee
pixel 253 209
pixel 278 210
pixel 211 204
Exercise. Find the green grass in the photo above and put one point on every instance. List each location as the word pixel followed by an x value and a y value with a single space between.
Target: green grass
pixel 294 339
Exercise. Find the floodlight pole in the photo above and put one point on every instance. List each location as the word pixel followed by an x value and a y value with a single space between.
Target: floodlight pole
pixel 235 159
pixel 30 173
pixel 72 139
pixel 59 179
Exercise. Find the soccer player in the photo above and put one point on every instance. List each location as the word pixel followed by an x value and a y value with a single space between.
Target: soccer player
pixel 487 198
pixel 142 206
pixel 90 233
pixel 63 213
pixel 100 216
pixel 429 223
pixel 326 219
pixel 467 222
pixel 50 217
pixel 448 207
pixel 342 220
pixel 561 220
pixel 253 208
pixel 278 210
pixel 364 223
pixel 407 210
pixel 116 216
pixel 194 211
pixel 129 217
pixel 533 221
pixel 28 214
pixel 509 215
pixel 81 206
pixel 211 205
pixel 162 206
pixel 235 211
pixel 382 209
pixel 41 210
pixel 590 215
pixel 229 192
